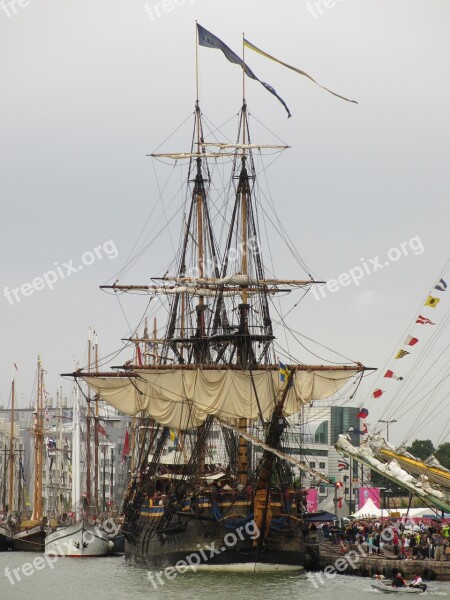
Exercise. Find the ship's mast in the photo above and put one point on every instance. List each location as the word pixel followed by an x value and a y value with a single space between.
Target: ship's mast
pixel 243 307
pixel 76 439
pixel 96 442
pixel 38 444
pixel 60 463
pixel 11 453
pixel 88 429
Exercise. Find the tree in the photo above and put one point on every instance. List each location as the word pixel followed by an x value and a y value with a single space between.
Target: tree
pixel 422 449
pixel 382 482
pixel 443 454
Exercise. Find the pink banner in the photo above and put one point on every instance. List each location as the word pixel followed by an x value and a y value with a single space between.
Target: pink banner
pixel 372 493
pixel 312 500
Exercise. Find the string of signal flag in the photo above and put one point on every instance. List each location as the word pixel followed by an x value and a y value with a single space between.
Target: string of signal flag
pixel 431 302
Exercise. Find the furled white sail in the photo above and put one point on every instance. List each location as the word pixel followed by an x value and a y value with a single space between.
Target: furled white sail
pixel 183 399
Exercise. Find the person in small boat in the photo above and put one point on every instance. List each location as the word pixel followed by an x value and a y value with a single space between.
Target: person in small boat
pixel 416 582
pixel 398 581
pixel 379 576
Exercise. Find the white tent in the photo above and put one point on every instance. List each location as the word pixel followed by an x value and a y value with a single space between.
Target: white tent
pixel 368 510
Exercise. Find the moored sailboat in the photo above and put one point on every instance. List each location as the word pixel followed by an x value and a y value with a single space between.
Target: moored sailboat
pixel 29 535
pixel 79 538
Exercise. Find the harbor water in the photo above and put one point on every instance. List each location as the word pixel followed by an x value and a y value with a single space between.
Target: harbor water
pixel 112 578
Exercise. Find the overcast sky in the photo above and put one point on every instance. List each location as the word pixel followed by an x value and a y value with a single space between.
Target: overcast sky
pixel 88 88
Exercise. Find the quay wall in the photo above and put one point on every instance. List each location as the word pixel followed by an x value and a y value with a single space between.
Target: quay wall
pixel 320 557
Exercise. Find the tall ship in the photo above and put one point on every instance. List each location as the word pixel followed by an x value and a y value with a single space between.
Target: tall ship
pixel 211 390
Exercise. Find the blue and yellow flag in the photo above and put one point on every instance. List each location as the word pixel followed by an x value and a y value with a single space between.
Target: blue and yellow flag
pixel 248 44
pixel 209 40
pixel 284 372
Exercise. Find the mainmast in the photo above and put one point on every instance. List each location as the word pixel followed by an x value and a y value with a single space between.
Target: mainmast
pixel 200 346
pixel 243 349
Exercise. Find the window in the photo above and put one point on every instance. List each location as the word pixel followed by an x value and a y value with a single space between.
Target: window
pixel 321 435
pixel 322 466
pixel 312 465
pixel 314 452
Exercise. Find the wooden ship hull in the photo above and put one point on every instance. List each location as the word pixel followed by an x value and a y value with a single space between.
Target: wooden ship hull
pixel 29 540
pixel 202 542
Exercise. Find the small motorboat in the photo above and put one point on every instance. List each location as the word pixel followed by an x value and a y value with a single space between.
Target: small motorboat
pixel 388 588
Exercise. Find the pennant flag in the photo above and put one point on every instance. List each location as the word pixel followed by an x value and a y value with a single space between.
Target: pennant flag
pixel 411 341
pixel 280 62
pixel 209 40
pixel 401 354
pixel 392 375
pixel 100 429
pixel 363 413
pixel 432 301
pixel 342 465
pixel 15 366
pixel 424 321
pixel 441 286
pixel 126 446
pixel 377 393
pixel 339 503
pixel 283 372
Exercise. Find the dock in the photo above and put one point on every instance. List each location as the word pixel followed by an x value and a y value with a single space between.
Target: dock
pixel 328 557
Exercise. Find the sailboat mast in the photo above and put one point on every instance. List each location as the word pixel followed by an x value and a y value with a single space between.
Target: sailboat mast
pixel 76 455
pixel 11 454
pixel 88 430
pixel 61 454
pixel 38 445
pixel 96 432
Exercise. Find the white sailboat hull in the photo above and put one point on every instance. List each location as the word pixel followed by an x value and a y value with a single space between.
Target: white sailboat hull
pixel 80 539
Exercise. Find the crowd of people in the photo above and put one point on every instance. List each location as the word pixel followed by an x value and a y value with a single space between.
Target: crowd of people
pixel 395 538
